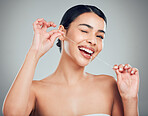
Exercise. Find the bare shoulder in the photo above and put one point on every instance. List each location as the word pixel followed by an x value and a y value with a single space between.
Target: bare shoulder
pixel 105 82
pixel 109 80
pixel 37 84
pixel 104 78
pixel 42 85
pixel 42 82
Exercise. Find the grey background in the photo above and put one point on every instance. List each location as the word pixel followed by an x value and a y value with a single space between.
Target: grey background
pixel 126 39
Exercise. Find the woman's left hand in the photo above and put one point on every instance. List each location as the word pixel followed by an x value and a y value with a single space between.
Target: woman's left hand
pixel 127 81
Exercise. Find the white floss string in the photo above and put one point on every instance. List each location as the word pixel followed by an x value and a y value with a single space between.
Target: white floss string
pixel 104 62
pixel 95 57
pixel 70 40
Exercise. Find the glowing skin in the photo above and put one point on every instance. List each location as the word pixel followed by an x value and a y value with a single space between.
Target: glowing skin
pixel 81 34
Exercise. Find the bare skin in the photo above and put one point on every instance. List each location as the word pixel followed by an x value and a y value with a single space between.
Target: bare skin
pixel 92 95
pixel 69 91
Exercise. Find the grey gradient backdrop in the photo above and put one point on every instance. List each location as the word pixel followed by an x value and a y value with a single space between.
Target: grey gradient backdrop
pixel 126 39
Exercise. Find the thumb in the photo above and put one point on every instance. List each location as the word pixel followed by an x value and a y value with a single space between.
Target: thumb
pixel 53 37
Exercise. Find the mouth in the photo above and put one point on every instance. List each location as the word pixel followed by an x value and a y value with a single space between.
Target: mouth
pixel 86 51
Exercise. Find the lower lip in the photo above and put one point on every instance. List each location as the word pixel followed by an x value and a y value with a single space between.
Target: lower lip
pixel 86 55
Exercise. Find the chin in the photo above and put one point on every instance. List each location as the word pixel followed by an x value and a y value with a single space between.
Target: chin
pixel 82 62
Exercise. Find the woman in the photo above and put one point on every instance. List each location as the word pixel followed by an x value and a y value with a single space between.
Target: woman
pixel 70 91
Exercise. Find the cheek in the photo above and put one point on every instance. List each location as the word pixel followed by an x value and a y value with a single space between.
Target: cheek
pixel 100 44
pixel 72 51
pixel 79 38
pixel 76 36
pixel 100 47
pixel 69 48
pixel 66 47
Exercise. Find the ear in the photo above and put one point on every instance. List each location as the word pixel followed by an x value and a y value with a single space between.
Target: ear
pixel 61 28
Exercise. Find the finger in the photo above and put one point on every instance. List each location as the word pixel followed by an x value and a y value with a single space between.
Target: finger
pixel 133 71
pixel 125 67
pixel 53 37
pixel 45 25
pixel 39 19
pixel 50 33
pixel 118 75
pixel 55 31
pixel 40 23
pixel 121 68
pixel 137 72
pixel 35 24
pixel 54 25
pixel 115 67
pixel 51 24
pixel 129 69
pixel 117 72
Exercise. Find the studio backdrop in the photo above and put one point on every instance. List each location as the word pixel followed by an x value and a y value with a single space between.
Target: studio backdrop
pixel 125 42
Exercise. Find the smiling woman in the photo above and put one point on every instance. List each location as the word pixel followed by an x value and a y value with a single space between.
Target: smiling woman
pixel 72 13
pixel 70 91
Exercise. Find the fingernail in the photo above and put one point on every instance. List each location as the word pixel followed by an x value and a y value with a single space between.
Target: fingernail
pixel 115 66
pixel 125 66
pixel 120 69
pixel 132 72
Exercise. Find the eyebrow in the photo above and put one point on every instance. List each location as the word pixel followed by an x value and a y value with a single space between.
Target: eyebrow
pixel 91 27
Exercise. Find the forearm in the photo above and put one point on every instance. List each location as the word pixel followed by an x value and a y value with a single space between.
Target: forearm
pixel 130 107
pixel 18 94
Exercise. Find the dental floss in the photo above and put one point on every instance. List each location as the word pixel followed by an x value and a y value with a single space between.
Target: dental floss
pixel 95 57
pixel 104 62
pixel 70 40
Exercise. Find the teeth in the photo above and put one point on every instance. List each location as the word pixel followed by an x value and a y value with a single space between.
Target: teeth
pixel 87 50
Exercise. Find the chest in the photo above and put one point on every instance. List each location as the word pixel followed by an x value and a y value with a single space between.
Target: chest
pixel 73 101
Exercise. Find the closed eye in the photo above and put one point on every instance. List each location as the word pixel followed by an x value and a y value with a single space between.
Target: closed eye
pixel 84 31
pixel 100 37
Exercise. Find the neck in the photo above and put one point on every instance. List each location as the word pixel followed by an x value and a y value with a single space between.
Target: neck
pixel 69 72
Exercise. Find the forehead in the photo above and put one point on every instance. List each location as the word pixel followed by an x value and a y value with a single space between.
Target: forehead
pixel 91 19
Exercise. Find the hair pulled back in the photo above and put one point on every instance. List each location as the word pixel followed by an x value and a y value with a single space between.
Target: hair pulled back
pixel 72 13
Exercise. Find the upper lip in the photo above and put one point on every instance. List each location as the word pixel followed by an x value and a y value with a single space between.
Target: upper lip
pixel 87 47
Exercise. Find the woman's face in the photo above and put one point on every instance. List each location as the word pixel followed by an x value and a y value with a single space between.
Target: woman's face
pixel 87 31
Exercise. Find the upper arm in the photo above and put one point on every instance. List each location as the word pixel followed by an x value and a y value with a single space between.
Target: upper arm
pixel 117 104
pixel 32 100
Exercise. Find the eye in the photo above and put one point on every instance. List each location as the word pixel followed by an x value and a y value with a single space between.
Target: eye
pixel 100 37
pixel 84 31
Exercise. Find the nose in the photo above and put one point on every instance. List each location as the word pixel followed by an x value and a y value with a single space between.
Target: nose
pixel 92 41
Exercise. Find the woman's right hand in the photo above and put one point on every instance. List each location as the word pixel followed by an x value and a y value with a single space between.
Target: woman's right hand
pixel 43 40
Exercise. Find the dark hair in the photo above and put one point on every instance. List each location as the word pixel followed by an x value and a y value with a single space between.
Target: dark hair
pixel 72 13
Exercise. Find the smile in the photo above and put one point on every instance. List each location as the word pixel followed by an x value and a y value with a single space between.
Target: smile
pixel 86 51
